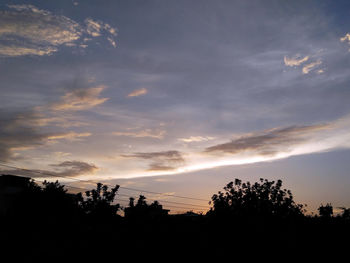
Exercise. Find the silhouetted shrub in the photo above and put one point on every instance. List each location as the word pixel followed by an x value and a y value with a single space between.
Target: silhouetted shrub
pixel 263 198
pixel 98 202
pixel 325 211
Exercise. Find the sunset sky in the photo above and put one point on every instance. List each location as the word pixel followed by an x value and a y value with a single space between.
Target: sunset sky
pixel 179 97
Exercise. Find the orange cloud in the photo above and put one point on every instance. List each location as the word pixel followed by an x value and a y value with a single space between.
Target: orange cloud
pixel 138 92
pixel 80 99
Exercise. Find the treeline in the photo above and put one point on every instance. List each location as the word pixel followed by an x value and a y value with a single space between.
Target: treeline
pixel 49 221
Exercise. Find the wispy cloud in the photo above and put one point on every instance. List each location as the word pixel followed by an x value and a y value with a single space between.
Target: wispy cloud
pixel 28 30
pixel 26 130
pixel 16 135
pixel 71 136
pixel 268 142
pixel 307 68
pixel 157 134
pixel 196 139
pixel 75 168
pixel 138 92
pixel 160 161
pixel 267 145
pixel 345 38
pixel 295 61
pixel 63 169
pixel 80 99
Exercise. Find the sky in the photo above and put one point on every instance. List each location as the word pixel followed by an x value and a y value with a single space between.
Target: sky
pixel 178 97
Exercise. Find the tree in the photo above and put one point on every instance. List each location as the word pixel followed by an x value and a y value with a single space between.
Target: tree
pixel 325 211
pixel 346 212
pixel 263 198
pixel 143 210
pixel 99 201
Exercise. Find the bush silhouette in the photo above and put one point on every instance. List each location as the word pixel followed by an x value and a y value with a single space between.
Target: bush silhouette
pixel 325 211
pixel 98 202
pixel 263 198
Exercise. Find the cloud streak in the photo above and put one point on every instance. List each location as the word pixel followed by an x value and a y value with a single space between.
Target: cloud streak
pixel 138 92
pixel 157 134
pixel 25 130
pixel 295 61
pixel 28 30
pixel 80 99
pixel 60 170
pixel 160 161
pixel 264 146
pixel 196 139
pixel 268 142
pixel 307 68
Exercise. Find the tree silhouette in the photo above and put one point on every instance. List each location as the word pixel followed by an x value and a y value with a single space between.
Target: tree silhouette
pixel 325 211
pixel 263 198
pixel 142 210
pixel 99 201
pixel 346 212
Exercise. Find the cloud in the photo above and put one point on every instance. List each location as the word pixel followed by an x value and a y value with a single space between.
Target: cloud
pixel 75 168
pixel 28 30
pixel 268 142
pixel 71 136
pixel 138 92
pixel 345 38
pixel 63 169
pixel 25 130
pixel 307 68
pixel 80 99
pixel 295 61
pixel 95 28
pixel 17 135
pixel 157 134
pixel 196 139
pixel 165 160
pixel 16 51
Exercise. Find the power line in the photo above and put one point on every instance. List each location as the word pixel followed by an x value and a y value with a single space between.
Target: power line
pixel 151 199
pixel 80 188
pixel 121 187
pixel 165 201
pixel 126 200
pixel 150 192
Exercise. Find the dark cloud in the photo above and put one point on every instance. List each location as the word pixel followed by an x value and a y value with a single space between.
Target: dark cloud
pixel 23 130
pixel 165 160
pixel 64 169
pixel 74 168
pixel 268 142
pixel 16 133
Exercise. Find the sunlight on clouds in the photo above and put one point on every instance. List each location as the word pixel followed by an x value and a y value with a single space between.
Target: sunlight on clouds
pixel 157 134
pixel 307 68
pixel 15 51
pixel 28 30
pixel 80 99
pixel 295 61
pixel 138 92
pixel 285 142
pixel 196 139
pixel 345 38
pixel 69 136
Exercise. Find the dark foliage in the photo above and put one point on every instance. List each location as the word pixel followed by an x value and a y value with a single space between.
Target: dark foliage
pixel 325 211
pixel 261 199
pixel 98 203
pixel 46 222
